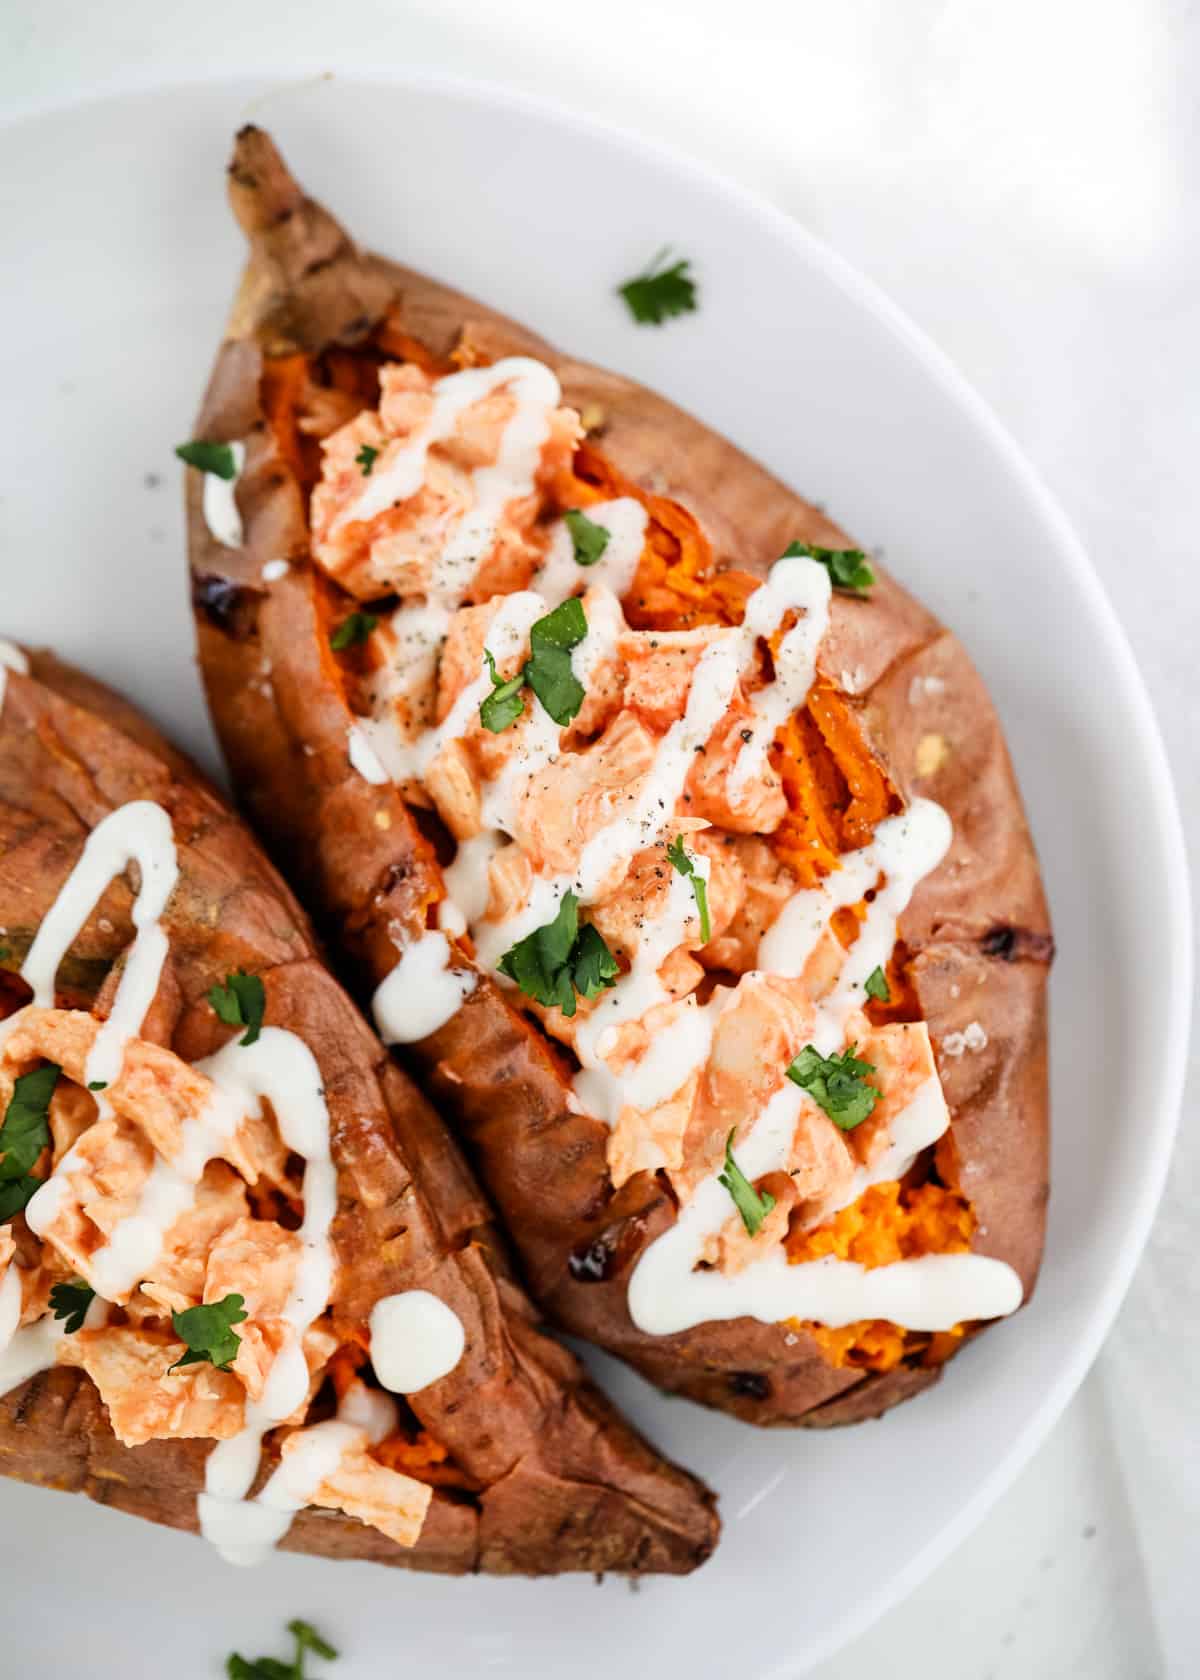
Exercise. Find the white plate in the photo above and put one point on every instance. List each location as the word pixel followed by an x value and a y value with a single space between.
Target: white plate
pixel 120 261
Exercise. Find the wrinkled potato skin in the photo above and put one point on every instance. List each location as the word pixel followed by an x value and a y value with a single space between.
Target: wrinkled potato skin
pixel 979 923
pixel 565 1483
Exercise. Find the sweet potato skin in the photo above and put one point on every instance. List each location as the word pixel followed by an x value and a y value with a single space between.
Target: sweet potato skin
pixel 564 1482
pixel 356 857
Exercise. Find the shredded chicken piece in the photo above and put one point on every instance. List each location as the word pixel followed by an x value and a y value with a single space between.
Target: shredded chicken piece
pixel 176 1279
pixel 257 1259
pixel 393 1503
pixel 130 1368
pixel 732 1248
pixel 559 807
pixel 397 548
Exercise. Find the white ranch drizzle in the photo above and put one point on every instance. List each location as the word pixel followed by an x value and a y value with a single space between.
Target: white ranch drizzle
pixel 363 756
pixel 286 1074
pixel 273 570
pixel 138 832
pixel 12 658
pixel 422 992
pixel 901 853
pixel 400 472
pixel 370 1410
pixel 220 503
pixel 805 586
pixel 625 520
pixel 246 1531
pixel 279 1068
pixel 667 1293
pixel 467 882
pixel 416 1339
pixel 10 1303
pixel 35 1348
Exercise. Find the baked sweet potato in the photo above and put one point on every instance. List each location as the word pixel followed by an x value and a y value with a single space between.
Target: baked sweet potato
pixel 167 1188
pixel 395 442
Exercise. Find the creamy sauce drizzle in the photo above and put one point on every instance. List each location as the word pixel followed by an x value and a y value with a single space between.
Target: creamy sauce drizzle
pixel 400 472
pixel 220 503
pixel 278 1068
pixel 422 992
pixel 667 1292
pixel 415 1340
pixel 625 520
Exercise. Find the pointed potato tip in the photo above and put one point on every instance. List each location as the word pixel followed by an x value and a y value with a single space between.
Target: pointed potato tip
pixel 262 189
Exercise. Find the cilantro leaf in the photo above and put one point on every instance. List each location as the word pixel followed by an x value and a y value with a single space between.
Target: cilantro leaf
pixel 366 459
pixel 16 1193
pixel 593 966
pixel 658 293
pixel 26 1131
pixel 877 986
pixel 686 865
pixel 71 1301
pixel 836 1084
pixel 308 1639
pixel 560 959
pixel 849 569
pixel 504 704
pixel 273 1668
pixel 549 673
pixel 752 1207
pixel 209 1333
pixel 353 629
pixel 98 1085
pixel 240 1002
pixel 588 539
pixel 215 458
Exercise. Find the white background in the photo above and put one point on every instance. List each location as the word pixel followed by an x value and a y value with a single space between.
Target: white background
pixel 1023 179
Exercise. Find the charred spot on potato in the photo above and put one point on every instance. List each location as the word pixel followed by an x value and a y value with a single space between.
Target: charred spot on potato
pixel 607 1255
pixel 750 1385
pixel 226 605
pixel 1012 944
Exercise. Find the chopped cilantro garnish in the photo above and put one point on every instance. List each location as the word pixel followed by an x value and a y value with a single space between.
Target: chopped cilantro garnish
pixel 272 1668
pixel 547 671
pixel 353 629
pixel 836 1084
pixel 209 1333
pixel 659 293
pixel 877 986
pixel 366 459
pixel 686 865
pixel 849 569
pixel 23 1135
pixel 215 458
pixel 504 704
pixel 240 1002
pixel 561 959
pixel 71 1301
pixel 752 1207
pixel 588 539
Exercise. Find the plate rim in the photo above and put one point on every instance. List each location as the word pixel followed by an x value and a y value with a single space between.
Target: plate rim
pixel 262 83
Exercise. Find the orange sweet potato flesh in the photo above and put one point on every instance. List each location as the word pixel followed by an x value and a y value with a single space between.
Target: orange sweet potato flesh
pixel 976 936
pixel 533 1471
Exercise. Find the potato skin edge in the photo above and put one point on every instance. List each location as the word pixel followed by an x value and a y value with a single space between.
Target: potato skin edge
pixel 566 1483
pixel 494 1076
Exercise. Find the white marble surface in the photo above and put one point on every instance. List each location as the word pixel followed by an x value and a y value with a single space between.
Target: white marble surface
pixel 1025 181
